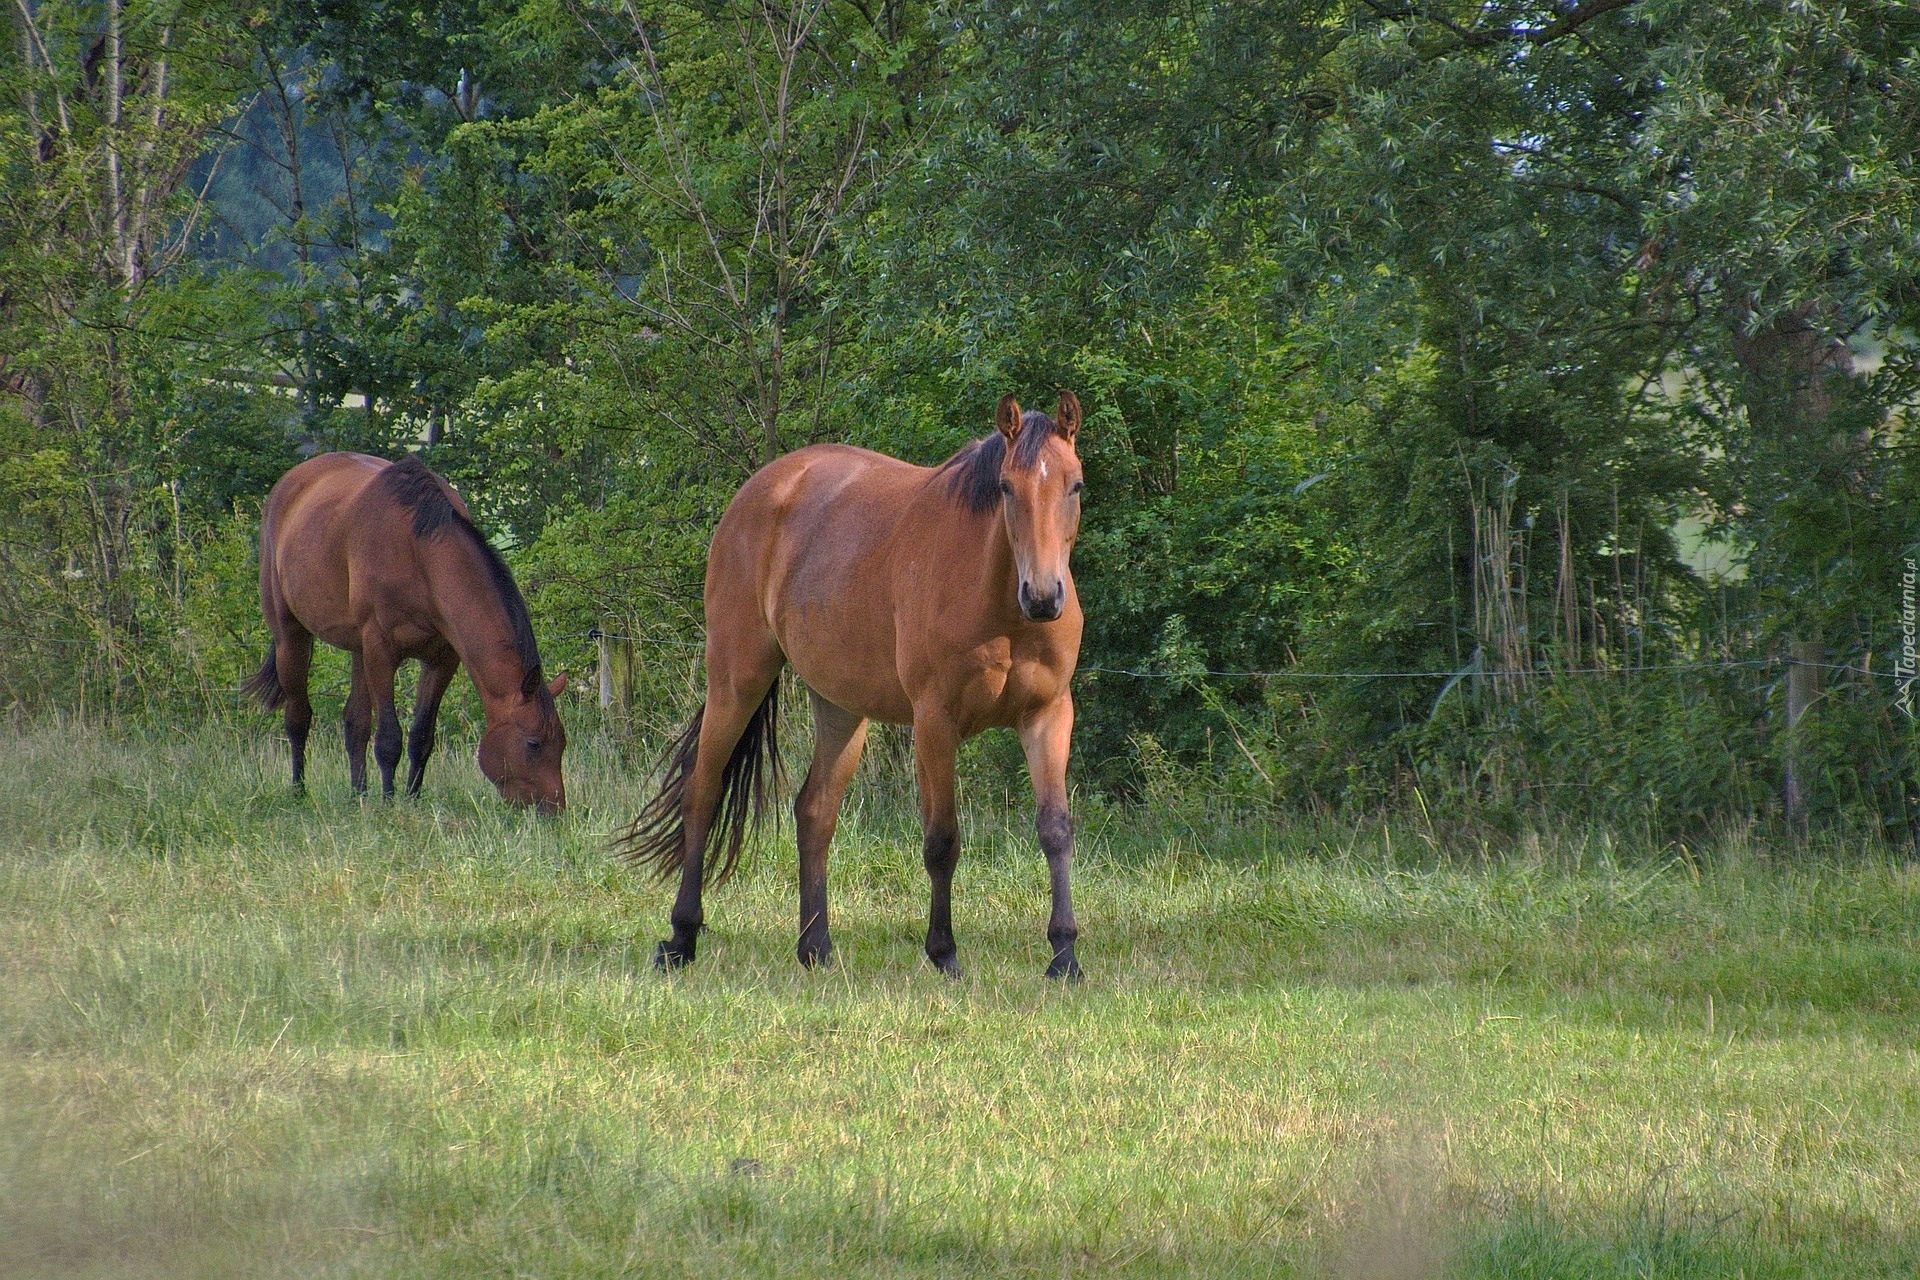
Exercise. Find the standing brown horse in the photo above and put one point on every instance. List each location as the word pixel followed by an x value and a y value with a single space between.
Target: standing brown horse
pixel 936 597
pixel 382 559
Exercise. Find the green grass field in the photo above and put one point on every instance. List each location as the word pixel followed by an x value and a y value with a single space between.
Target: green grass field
pixel 244 1033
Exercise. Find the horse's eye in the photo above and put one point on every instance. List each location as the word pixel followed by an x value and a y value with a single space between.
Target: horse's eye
pixel 1006 489
pixel 1078 485
pixel 533 746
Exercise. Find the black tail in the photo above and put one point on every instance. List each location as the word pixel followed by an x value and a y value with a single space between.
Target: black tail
pixel 657 836
pixel 264 684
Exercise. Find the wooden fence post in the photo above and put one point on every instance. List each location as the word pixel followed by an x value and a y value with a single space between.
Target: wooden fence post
pixel 617 674
pixel 605 668
pixel 625 675
pixel 1805 679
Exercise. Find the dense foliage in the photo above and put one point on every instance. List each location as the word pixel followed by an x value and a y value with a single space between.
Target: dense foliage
pixel 1553 359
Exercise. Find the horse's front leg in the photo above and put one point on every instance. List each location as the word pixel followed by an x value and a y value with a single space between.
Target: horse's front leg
pixel 935 746
pixel 357 725
pixel 434 678
pixel 378 666
pixel 1047 737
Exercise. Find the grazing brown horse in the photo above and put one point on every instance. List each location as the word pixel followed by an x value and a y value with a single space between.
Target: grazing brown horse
pixel 382 559
pixel 936 597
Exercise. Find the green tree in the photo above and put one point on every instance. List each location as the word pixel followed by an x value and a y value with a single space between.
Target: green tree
pixel 103 110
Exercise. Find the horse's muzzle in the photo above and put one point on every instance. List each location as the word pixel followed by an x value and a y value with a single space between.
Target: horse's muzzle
pixel 1037 608
pixel 549 805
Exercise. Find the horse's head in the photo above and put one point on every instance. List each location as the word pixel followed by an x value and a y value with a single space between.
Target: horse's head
pixel 520 751
pixel 1040 484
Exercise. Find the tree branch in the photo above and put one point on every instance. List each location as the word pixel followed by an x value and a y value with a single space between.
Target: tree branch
pixel 1575 18
pixel 1569 21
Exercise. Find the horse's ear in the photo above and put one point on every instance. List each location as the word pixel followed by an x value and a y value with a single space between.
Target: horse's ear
pixel 1067 416
pixel 1007 417
pixel 557 685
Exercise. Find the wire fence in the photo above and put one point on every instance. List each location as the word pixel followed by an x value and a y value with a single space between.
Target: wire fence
pixel 1469 671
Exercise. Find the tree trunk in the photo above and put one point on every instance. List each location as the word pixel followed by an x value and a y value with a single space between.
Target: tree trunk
pixel 1794 372
pixel 116 183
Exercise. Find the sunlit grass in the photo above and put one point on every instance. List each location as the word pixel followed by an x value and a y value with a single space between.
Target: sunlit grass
pixel 243 1032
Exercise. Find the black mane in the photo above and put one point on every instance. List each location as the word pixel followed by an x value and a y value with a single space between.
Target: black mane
pixel 974 481
pixel 410 484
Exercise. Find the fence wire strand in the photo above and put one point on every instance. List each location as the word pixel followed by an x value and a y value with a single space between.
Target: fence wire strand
pixel 1731 664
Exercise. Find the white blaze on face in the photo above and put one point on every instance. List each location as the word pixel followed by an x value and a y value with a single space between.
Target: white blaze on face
pixel 1043 468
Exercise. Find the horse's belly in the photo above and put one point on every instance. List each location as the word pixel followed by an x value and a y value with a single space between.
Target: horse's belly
pixel 848 664
pixel 827 603
pixel 416 639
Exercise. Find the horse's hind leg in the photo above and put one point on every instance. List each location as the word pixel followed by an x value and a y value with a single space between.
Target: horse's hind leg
pixel 935 748
pixel 739 674
pixel 435 676
pixel 293 656
pixel 357 726
pixel 838 738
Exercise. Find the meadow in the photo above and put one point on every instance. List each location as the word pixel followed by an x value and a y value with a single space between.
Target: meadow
pixel 244 1032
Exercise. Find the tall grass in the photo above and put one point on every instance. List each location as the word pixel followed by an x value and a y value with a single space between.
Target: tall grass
pixel 245 1033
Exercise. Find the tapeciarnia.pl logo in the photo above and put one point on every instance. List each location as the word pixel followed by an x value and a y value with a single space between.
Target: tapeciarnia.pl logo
pixel 1904 665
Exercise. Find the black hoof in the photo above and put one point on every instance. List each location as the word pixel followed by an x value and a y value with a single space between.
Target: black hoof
pixel 947 965
pixel 667 957
pixel 1065 968
pixel 816 957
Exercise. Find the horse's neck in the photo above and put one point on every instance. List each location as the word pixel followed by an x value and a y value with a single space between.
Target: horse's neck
pixel 996 553
pixel 475 623
pixel 498 679
pixel 997 575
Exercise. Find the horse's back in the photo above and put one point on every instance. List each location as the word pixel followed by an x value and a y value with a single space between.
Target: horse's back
pixel 304 539
pixel 322 483
pixel 806 519
pixel 810 479
pixel 800 557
